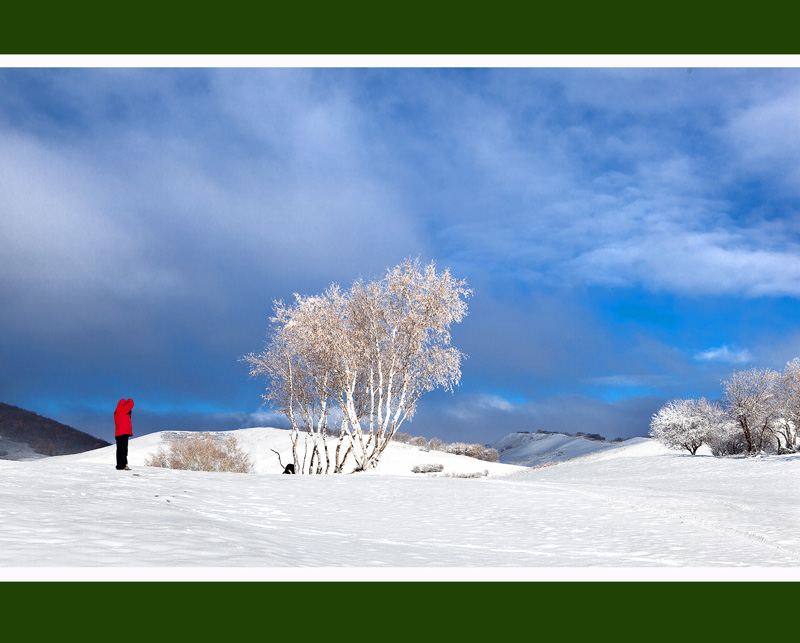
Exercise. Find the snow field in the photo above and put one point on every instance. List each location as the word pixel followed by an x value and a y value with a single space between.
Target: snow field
pixel 634 507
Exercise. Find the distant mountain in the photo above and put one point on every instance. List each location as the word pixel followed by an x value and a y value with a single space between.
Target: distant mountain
pixel 43 435
pixel 545 447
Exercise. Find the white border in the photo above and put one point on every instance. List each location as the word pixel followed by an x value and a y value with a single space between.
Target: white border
pixel 397 574
pixel 399 60
pixel 468 574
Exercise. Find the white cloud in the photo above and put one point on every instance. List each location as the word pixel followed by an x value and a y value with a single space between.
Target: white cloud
pixel 471 406
pixel 262 418
pixel 692 262
pixel 725 354
pixel 765 136
pixel 631 381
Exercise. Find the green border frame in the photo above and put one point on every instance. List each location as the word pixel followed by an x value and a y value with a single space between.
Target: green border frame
pixel 413 27
pixel 405 609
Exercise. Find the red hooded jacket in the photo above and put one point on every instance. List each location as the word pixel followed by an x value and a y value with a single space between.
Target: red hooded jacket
pixel 122 418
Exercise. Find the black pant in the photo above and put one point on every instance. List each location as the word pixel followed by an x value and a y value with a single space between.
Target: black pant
pixel 122 451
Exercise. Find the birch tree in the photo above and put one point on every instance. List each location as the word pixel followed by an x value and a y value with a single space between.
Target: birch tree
pixel 363 357
pixel 299 366
pixel 402 337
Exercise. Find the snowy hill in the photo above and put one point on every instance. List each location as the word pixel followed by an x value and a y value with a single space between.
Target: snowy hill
pixel 22 431
pixel 535 449
pixel 259 443
pixel 637 511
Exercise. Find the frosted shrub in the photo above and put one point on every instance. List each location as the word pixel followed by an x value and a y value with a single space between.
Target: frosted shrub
pixel 428 468
pixel 202 452
pixel 458 448
pixel 727 439
pixel 477 474
pixel 473 451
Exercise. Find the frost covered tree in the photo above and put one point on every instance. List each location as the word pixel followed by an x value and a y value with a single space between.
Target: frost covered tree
pixel 760 413
pixel 750 401
pixel 787 398
pixel 402 343
pixel 364 356
pixel 685 424
pixel 301 371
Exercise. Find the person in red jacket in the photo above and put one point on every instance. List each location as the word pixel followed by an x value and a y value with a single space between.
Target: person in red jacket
pixel 124 430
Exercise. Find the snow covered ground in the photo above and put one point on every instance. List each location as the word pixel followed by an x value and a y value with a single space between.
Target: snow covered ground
pixel 534 449
pixel 637 511
pixel 10 450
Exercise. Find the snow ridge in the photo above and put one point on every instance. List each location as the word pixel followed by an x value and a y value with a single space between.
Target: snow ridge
pixel 536 449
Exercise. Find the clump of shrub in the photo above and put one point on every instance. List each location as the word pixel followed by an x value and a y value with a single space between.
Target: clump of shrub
pixel 596 437
pixel 473 451
pixel 477 474
pixel 436 470
pixel 726 440
pixel 428 468
pixel 201 452
pixel 458 448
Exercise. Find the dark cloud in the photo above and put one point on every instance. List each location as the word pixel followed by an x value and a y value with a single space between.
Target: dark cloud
pixel 150 216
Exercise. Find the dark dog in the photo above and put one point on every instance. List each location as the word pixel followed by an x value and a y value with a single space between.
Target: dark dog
pixel 289 468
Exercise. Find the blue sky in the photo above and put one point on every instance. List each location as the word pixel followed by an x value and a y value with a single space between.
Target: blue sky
pixel 631 234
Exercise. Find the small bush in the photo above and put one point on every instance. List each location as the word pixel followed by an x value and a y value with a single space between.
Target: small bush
pixel 458 448
pixel 201 452
pixel 727 440
pixel 428 468
pixel 473 451
pixel 477 474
